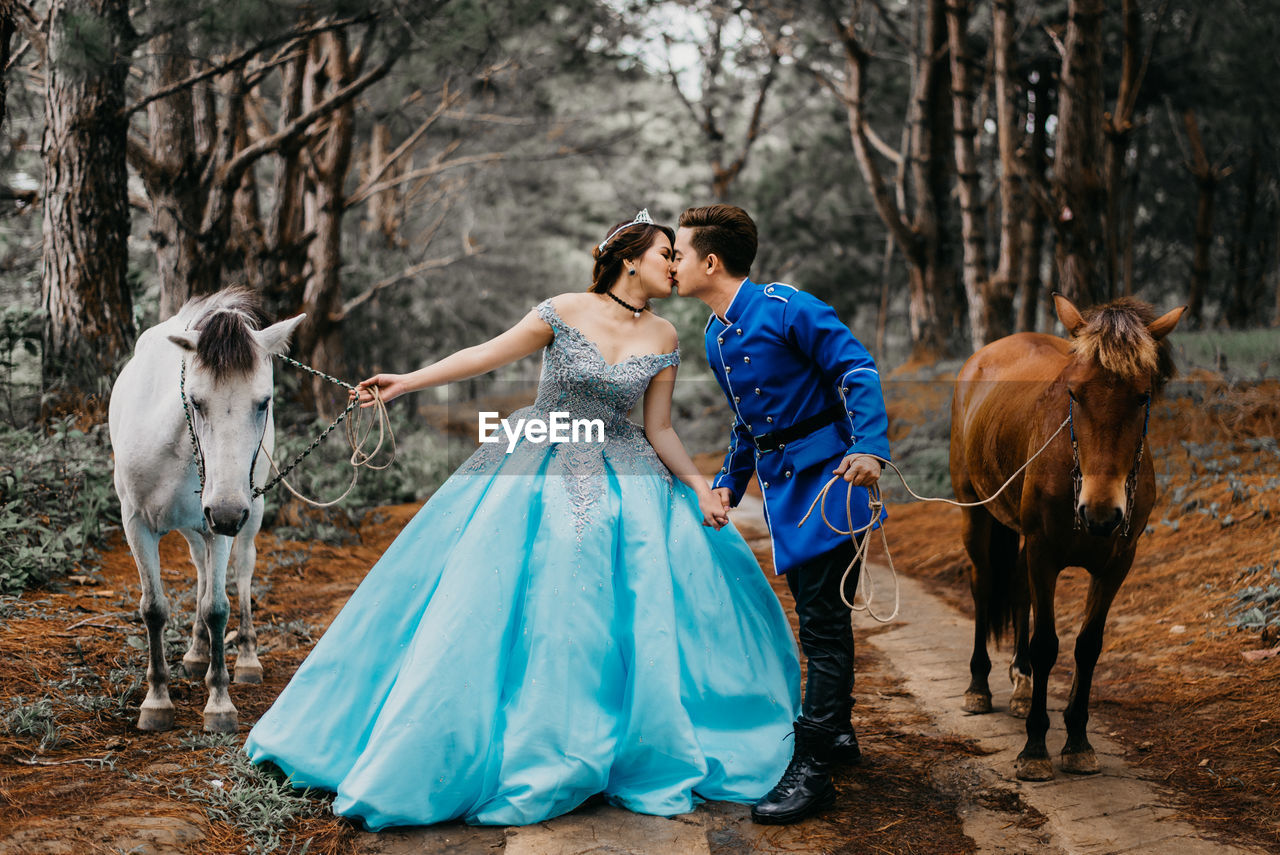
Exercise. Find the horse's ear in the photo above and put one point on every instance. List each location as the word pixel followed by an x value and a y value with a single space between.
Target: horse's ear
pixel 275 338
pixel 1067 313
pixel 1163 325
pixel 186 340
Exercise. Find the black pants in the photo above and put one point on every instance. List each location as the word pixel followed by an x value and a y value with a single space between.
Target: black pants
pixel 826 633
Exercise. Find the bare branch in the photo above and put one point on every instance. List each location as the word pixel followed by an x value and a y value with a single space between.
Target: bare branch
pixel 447 100
pixel 675 84
pixel 31 26
pixel 254 77
pixel 468 250
pixel 492 118
pixel 241 59
pixel 437 166
pixel 361 54
pixel 138 153
pixel 235 168
pixel 17 55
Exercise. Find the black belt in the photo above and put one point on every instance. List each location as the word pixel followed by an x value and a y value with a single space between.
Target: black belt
pixel 777 439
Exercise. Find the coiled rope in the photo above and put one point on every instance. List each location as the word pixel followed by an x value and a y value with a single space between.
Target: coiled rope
pixel 355 438
pixel 875 503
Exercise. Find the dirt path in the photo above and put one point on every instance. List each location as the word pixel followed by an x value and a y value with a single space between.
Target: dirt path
pixel 1112 812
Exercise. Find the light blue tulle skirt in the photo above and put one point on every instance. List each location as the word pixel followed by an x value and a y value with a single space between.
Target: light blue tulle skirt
pixel 525 644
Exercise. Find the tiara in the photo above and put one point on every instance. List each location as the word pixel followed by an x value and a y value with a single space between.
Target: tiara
pixel 642 218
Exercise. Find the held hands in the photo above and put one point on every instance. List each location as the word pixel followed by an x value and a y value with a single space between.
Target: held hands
pixel 860 470
pixel 388 385
pixel 725 495
pixel 714 511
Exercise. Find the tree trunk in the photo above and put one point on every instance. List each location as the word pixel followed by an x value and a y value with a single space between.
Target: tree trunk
pixel 1118 131
pixel 932 302
pixel 1275 275
pixel 7 27
pixel 383 216
pixel 932 185
pixel 1245 293
pixel 1032 227
pixel 320 337
pixel 84 265
pixel 1078 166
pixel 1207 178
pixel 246 237
pixel 973 210
pixel 1009 136
pixel 170 169
pixel 1206 187
pixel 281 269
pixel 1128 240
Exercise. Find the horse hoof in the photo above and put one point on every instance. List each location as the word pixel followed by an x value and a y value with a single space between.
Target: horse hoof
pixel 248 673
pixel 221 722
pixel 1033 769
pixel 1019 707
pixel 976 703
pixel 1081 763
pixel 195 666
pixel 155 718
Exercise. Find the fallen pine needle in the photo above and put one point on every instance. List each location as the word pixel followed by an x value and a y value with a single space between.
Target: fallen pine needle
pixel 87 760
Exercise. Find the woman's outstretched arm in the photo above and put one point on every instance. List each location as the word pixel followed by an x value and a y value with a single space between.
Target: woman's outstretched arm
pixel 671 451
pixel 530 335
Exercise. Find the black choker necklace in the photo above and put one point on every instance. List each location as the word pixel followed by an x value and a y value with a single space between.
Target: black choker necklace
pixel 630 308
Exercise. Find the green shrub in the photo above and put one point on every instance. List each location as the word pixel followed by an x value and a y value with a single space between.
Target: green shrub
pixel 261 805
pixel 35 720
pixel 56 501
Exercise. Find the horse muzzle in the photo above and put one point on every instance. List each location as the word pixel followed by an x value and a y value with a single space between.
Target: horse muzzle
pixel 1100 521
pixel 226 519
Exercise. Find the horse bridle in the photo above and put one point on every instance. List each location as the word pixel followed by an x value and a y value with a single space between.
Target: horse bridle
pixel 198 453
pixel 1077 477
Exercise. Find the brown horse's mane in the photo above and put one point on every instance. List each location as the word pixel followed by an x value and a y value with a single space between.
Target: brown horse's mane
pixel 1115 335
pixel 225 321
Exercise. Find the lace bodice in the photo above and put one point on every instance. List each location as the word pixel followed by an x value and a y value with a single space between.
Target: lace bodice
pixel 577 380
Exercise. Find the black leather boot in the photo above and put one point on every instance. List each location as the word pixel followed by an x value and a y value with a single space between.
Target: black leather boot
pixel 844 748
pixel 805 788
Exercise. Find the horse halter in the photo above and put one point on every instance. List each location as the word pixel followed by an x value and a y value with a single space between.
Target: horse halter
pixel 198 452
pixel 1077 477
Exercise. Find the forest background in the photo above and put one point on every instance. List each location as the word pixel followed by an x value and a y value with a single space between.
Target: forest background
pixel 415 176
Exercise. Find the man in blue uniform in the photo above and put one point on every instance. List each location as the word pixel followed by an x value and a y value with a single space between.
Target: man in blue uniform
pixel 806 403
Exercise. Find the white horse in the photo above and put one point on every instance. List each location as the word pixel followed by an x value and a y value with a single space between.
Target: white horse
pixel 213 360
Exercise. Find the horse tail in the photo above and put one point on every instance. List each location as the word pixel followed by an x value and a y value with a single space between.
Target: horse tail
pixel 1007 590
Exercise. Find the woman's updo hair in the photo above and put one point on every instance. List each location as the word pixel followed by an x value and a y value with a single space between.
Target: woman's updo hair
pixel 628 240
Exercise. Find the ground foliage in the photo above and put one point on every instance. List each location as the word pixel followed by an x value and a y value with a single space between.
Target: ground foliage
pixel 56 501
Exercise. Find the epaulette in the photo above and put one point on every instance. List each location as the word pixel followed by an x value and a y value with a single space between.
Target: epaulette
pixel 771 290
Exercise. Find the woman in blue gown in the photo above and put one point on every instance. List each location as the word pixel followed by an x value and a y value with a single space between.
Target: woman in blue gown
pixel 561 619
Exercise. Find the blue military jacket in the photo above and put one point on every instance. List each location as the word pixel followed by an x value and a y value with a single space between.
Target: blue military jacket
pixel 782 356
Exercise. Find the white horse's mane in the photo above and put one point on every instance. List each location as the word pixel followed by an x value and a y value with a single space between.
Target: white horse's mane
pixel 226 322
pixel 236 299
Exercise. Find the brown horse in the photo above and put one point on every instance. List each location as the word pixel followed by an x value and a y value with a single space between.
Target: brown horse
pixel 1083 502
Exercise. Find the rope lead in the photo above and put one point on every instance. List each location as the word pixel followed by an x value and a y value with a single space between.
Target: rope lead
pixel 875 504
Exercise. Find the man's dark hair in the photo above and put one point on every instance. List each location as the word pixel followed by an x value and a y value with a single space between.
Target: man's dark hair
pixel 727 231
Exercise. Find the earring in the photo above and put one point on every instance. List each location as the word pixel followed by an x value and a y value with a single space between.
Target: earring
pixel 631 271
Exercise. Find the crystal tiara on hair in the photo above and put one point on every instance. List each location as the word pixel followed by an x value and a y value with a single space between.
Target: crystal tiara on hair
pixel 642 218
